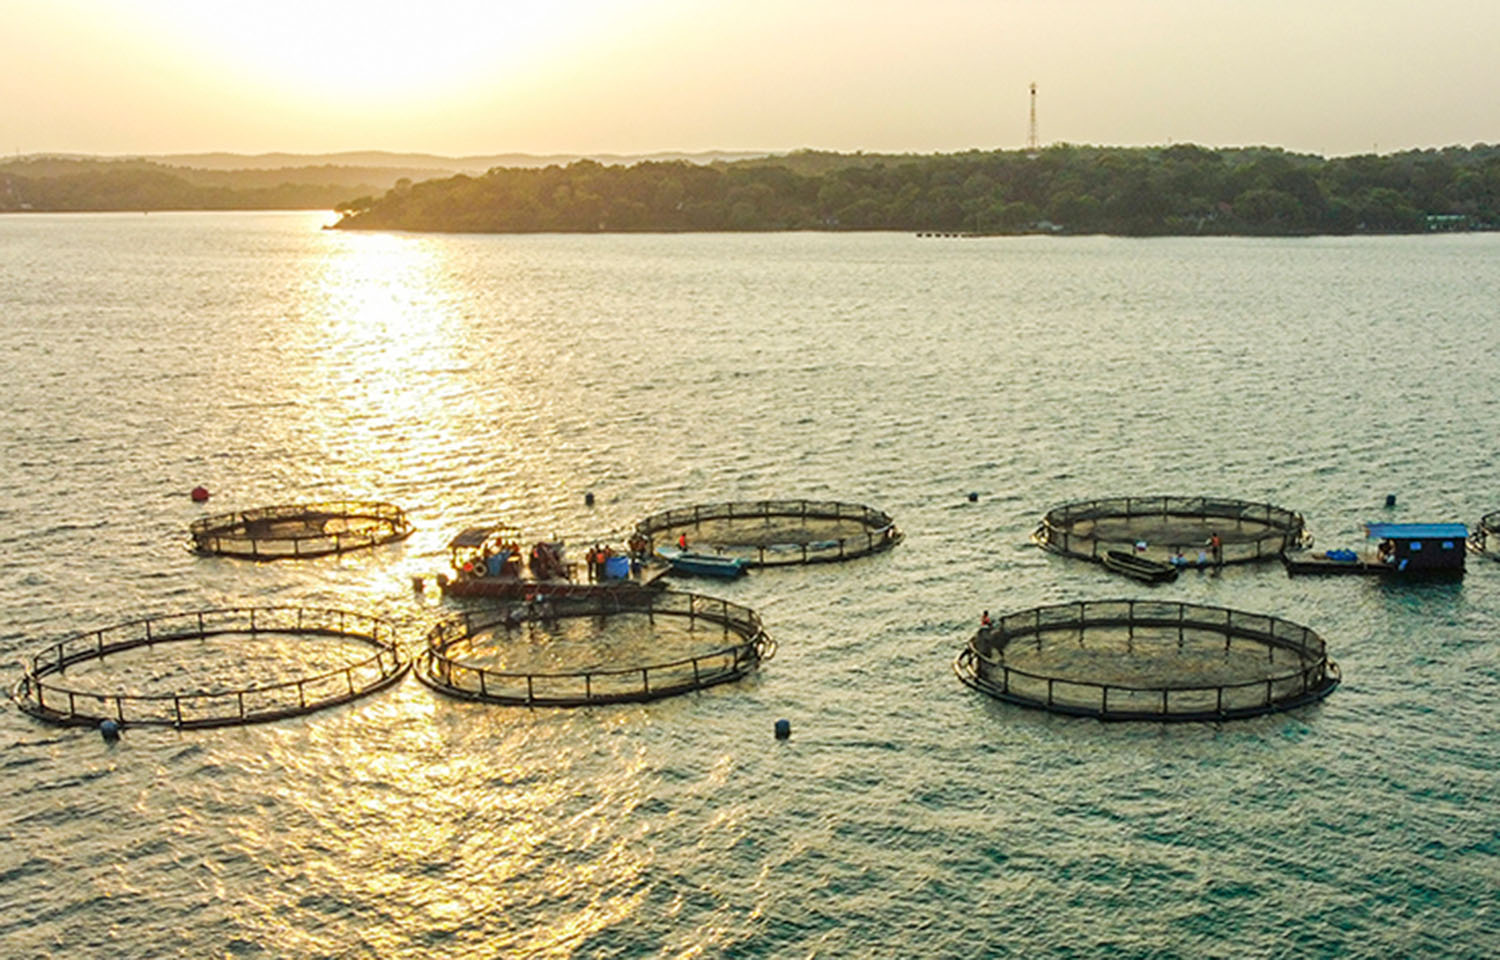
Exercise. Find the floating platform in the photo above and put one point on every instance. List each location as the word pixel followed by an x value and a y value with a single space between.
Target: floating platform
pixel 648 576
pixel 1319 565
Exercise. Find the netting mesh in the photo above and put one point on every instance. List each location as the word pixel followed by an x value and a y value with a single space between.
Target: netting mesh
pixel 300 530
pixel 775 532
pixel 247 665
pixel 1168 528
pixel 1140 659
pixel 603 646
pixel 1486 536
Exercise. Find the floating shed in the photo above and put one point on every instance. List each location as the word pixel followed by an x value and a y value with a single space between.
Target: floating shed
pixel 1422 549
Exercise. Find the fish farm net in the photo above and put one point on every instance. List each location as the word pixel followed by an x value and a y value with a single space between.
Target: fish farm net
pixel 1485 539
pixel 245 665
pixel 768 533
pixel 1148 660
pixel 300 530
pixel 1164 528
pixel 608 645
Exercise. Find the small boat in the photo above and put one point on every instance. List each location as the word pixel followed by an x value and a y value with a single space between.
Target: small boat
pixel 702 564
pixel 1150 571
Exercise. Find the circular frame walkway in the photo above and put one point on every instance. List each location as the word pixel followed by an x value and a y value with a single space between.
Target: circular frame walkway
pixel 1249 532
pixel 300 530
pixel 745 645
pixel 39 694
pixel 1296 671
pixel 775 533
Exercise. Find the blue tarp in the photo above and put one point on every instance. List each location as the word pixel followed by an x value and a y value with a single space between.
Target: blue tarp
pixel 1417 531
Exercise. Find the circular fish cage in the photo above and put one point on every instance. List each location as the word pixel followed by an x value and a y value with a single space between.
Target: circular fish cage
pixel 231 645
pixel 300 530
pixel 1148 660
pixel 772 533
pixel 1179 528
pixel 616 645
pixel 1485 540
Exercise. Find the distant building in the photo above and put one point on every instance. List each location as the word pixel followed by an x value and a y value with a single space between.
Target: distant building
pixel 1437 222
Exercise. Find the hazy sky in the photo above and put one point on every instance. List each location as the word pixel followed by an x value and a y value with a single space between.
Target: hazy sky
pixel 633 76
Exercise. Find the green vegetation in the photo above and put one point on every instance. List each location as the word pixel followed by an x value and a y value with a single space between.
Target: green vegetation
pixel 1183 189
pixel 51 183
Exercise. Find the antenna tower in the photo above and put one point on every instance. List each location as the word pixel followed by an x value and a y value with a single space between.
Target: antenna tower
pixel 1031 146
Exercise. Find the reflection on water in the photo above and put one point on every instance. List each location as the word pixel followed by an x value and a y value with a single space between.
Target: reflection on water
pixel 472 379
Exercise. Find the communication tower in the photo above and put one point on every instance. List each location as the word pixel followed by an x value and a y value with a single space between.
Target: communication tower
pixel 1031 146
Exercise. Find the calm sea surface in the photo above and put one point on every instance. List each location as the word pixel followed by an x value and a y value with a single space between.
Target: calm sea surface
pixel 476 378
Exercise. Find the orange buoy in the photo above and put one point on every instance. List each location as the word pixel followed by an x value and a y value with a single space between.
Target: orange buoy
pixel 200 494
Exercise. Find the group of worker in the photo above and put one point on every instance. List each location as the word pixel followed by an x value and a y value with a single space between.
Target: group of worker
pixel 597 556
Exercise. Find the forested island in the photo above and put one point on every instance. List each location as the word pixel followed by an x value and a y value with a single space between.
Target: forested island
pixel 1182 189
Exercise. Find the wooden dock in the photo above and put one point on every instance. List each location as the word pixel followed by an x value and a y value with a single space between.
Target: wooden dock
pixel 649 576
pixel 1318 565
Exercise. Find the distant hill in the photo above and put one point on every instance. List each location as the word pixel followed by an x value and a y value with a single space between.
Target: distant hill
pixel 268 181
pixel 433 164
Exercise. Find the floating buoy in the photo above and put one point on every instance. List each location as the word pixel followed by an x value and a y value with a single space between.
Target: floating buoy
pixel 416 583
pixel 200 494
pixel 783 729
pixel 588 498
pixel 109 730
pixel 973 496
pixel 1390 500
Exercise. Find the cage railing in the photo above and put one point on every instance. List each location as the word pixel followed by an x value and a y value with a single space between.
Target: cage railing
pixel 880 529
pixel 1287 529
pixel 49 700
pixel 982 662
pixel 230 534
pixel 635 683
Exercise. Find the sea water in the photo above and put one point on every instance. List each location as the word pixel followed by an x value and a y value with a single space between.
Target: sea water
pixel 472 379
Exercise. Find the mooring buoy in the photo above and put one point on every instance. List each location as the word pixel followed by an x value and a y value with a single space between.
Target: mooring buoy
pixel 783 729
pixel 1390 500
pixel 588 498
pixel 199 494
pixel 109 730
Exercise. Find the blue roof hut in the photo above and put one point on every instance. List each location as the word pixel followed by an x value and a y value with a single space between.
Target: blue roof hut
pixel 1421 549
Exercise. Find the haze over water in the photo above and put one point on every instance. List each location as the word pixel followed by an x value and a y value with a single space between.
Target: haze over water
pixel 479 378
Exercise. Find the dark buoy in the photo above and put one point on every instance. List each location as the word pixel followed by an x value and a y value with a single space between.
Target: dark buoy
pixel 973 496
pixel 416 583
pixel 200 494
pixel 783 729
pixel 1390 500
pixel 109 730
pixel 588 498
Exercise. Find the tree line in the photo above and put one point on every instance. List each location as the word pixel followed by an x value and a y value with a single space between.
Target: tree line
pixel 1173 190
pixel 76 184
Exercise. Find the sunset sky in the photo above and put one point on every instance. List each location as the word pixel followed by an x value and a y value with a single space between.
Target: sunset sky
pixel 632 76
